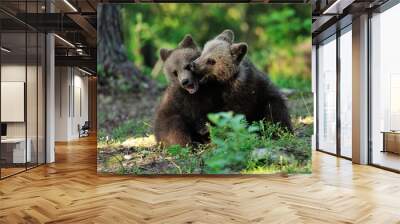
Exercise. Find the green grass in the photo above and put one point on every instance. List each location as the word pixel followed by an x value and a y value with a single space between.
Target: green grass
pixel 293 82
pixel 130 128
pixel 185 159
pixel 237 147
pixel 285 169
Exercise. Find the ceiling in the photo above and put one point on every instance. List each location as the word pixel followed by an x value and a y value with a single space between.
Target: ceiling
pixel 332 15
pixel 74 22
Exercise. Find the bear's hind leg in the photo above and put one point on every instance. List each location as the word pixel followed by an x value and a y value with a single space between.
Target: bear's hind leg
pixel 278 112
pixel 172 131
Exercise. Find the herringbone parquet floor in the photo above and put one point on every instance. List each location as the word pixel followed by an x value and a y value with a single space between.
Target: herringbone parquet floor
pixel 70 191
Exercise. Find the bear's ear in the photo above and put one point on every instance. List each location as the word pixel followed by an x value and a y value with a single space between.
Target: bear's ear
pixel 187 42
pixel 238 51
pixel 227 35
pixel 165 53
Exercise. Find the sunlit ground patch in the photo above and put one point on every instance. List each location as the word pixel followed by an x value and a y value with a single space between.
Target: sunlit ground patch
pixel 306 120
pixel 142 142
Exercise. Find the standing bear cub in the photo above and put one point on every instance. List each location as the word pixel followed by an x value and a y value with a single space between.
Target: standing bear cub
pixel 182 114
pixel 246 90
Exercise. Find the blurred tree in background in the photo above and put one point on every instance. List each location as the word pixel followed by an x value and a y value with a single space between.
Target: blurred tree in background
pixel 121 71
pixel 278 35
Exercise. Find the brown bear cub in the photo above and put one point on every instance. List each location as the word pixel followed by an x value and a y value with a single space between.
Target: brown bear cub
pixel 246 90
pixel 182 114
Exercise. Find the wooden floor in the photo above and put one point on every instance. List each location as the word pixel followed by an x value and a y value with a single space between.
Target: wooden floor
pixel 387 159
pixel 70 191
pixel 10 171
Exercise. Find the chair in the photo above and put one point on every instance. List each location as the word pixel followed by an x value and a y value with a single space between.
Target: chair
pixel 84 130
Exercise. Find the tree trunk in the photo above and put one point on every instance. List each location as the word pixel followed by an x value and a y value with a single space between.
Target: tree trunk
pixel 118 70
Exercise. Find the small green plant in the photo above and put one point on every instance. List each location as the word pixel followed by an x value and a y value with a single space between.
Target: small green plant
pixel 184 159
pixel 237 146
pixel 178 151
pixel 232 141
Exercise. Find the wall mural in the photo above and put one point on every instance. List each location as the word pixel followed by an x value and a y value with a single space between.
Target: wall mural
pixel 204 88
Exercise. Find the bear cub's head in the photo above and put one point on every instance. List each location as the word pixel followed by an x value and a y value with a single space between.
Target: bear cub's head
pixel 177 64
pixel 220 58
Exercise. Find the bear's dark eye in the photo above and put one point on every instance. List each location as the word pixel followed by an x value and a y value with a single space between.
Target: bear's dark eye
pixel 210 61
pixel 175 73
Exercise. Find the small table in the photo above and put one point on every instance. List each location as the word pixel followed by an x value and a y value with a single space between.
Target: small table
pixel 17 153
pixel 391 141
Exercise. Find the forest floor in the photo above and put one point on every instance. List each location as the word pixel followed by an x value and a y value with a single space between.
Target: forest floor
pixel 126 144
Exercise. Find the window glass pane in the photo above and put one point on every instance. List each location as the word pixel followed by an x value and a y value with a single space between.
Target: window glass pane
pixel 31 97
pixel 22 88
pixel 345 93
pixel 327 96
pixel 41 98
pixel 385 84
pixel 15 151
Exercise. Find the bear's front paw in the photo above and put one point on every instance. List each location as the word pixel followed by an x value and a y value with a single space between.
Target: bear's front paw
pixel 203 130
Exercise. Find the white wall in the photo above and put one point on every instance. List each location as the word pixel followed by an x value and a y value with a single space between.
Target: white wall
pixel 62 81
pixel 13 72
pixel 80 110
pixel 13 101
pixel 71 102
pixel 16 73
pixel 33 126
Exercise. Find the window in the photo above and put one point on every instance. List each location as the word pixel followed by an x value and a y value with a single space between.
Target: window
pixel 346 92
pixel 327 95
pixel 22 101
pixel 385 88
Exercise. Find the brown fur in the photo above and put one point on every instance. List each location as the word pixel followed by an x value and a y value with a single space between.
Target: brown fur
pixel 246 90
pixel 181 116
